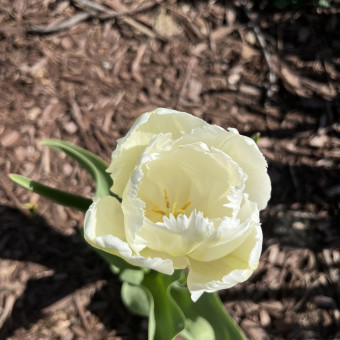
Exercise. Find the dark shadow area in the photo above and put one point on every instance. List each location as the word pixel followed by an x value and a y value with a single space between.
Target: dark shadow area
pixel 74 265
pixel 302 214
pixel 305 197
pixel 264 290
pixel 323 112
pixel 304 184
pixel 107 299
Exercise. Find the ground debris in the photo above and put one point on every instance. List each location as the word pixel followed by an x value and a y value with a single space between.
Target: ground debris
pixel 100 66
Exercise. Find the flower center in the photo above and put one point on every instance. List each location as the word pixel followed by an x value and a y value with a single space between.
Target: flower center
pixel 171 210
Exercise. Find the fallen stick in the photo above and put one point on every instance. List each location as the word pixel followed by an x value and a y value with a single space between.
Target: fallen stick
pixel 189 69
pixel 68 23
pixel 90 5
pixel 272 78
pixel 95 10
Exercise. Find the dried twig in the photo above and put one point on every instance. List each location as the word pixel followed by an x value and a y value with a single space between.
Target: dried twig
pixel 130 11
pixel 111 14
pixel 7 309
pixel 136 63
pixel 95 10
pixel 81 312
pixel 139 27
pixel 187 21
pixel 68 23
pixel 90 5
pixel 108 117
pixel 272 78
pixel 191 65
pixel 122 12
pixel 78 117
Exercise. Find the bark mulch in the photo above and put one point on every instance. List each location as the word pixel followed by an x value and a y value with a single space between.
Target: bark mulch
pixel 83 70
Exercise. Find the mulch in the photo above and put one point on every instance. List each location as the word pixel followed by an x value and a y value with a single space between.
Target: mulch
pixel 83 70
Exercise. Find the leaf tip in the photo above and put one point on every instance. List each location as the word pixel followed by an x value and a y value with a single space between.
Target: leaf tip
pixel 44 142
pixel 13 177
pixel 256 136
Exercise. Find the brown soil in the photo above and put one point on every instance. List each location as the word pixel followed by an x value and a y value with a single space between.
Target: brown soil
pixel 86 83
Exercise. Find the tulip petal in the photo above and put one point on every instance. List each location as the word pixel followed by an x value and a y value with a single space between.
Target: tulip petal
pixel 178 262
pixel 230 234
pixel 211 181
pixel 118 247
pixel 104 217
pixel 228 271
pixel 179 236
pixel 163 165
pixel 244 151
pixel 104 229
pixel 126 155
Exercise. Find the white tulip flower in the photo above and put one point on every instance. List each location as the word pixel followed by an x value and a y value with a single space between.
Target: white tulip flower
pixel 191 195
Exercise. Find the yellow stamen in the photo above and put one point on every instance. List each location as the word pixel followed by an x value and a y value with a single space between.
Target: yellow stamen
pixel 178 212
pixel 174 208
pixel 167 202
pixel 159 211
pixel 174 211
pixel 186 205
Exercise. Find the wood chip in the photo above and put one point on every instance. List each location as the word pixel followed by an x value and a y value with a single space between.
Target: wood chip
pixel 254 330
pixel 70 127
pixel 34 113
pixel 273 253
pixel 165 25
pixel 325 302
pixel 250 90
pixel 109 115
pixel 136 63
pixel 46 160
pixel 81 311
pixel 6 311
pixel 9 138
pixel 264 318
pixel 272 305
pixel 221 33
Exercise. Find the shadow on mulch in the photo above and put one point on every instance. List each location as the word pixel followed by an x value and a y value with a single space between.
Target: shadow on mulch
pixel 73 264
pixel 325 112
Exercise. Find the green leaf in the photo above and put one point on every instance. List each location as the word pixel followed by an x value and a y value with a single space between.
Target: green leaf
pixel 323 3
pixel 256 137
pixel 94 165
pixel 58 196
pixel 210 308
pixel 166 319
pixel 198 329
pixel 132 275
pixel 32 207
pixel 136 299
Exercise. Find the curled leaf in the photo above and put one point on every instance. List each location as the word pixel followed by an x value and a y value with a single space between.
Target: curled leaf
pixel 94 165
